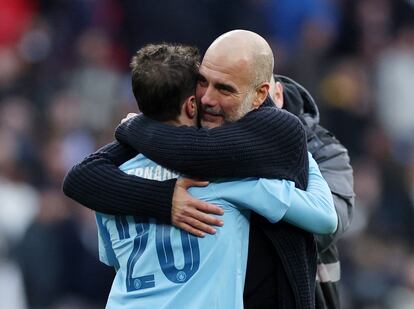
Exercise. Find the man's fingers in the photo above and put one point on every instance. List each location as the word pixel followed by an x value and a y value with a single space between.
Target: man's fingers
pixel 188 182
pixel 198 183
pixel 199 225
pixel 202 210
pixel 207 208
pixel 210 220
pixel 129 116
pixel 188 228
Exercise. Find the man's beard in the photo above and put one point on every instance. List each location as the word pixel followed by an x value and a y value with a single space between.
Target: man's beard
pixel 238 112
pixel 245 107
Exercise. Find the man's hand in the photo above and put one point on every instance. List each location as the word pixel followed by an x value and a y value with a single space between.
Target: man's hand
pixel 190 214
pixel 129 116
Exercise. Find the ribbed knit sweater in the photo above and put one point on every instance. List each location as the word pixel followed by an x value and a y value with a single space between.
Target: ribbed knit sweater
pixel 100 185
pixel 267 142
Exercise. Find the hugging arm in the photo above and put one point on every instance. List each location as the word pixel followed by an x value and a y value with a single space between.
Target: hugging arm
pixel 100 185
pixel 267 142
pixel 311 210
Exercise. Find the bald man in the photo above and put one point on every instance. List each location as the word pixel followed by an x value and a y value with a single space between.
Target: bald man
pixel 234 80
pixel 234 77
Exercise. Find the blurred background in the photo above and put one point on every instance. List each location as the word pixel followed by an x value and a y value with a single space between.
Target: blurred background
pixel 65 85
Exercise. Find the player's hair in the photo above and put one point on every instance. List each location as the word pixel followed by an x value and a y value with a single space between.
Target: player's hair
pixel 163 75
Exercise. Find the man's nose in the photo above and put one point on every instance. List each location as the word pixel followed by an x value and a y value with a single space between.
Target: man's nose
pixel 208 97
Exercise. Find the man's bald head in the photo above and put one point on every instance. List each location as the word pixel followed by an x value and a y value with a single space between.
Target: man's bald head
pixel 234 77
pixel 244 49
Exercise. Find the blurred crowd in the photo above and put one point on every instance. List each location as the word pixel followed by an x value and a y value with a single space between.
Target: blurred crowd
pixel 65 85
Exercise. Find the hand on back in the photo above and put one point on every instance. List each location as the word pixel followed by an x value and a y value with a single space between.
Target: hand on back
pixel 193 215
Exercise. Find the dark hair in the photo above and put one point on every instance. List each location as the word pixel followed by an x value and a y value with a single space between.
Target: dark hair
pixel 163 75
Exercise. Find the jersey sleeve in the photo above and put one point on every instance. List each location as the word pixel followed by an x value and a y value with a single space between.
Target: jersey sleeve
pixel 312 210
pixel 268 198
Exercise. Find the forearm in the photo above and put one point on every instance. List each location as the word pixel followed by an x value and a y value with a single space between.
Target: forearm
pixel 100 185
pixel 313 210
pixel 269 198
pixel 265 143
pixel 344 217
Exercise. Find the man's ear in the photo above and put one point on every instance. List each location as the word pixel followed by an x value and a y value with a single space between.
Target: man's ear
pixel 262 91
pixel 191 107
pixel 277 95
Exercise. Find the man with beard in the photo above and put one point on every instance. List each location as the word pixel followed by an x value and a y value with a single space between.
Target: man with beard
pixel 232 82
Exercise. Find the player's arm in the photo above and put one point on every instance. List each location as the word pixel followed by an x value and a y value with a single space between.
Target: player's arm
pixel 92 182
pixel 100 185
pixel 267 142
pixel 312 210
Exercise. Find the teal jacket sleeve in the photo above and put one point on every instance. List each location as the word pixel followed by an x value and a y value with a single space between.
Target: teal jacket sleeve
pixel 312 210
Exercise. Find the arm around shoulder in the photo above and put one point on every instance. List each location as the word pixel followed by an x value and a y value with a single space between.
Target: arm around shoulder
pixel 100 185
pixel 264 143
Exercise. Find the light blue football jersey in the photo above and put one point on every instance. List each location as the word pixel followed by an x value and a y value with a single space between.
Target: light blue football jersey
pixel 160 266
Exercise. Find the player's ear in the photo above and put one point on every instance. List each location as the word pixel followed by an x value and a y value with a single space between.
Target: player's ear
pixel 191 107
